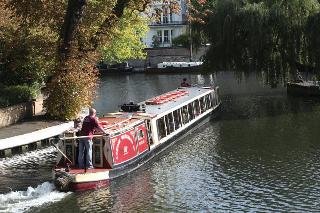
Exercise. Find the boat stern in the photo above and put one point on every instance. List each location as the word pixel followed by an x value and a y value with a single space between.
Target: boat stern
pixel 62 179
pixel 80 179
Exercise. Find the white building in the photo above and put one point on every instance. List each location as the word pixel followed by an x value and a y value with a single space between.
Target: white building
pixel 170 25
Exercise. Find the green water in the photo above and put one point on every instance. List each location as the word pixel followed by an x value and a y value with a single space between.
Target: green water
pixel 260 155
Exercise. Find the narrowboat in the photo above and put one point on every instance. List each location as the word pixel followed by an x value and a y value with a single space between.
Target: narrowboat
pixel 304 88
pixel 174 67
pixel 136 134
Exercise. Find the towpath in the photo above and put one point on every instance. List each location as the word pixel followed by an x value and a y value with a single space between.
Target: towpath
pixel 31 131
pixel 26 127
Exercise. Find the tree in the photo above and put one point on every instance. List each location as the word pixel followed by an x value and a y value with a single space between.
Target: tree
pixel 27 54
pixel 78 28
pixel 125 43
pixel 272 36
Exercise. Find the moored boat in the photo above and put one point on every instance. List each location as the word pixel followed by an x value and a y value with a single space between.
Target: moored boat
pixel 304 88
pixel 174 67
pixel 135 135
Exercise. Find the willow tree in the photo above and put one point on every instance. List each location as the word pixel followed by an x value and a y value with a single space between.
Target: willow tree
pixel 255 35
pixel 79 29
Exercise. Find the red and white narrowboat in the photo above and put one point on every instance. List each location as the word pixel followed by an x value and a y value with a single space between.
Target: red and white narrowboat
pixel 135 135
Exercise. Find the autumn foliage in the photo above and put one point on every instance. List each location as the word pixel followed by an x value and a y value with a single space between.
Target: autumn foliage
pixel 71 90
pixel 64 40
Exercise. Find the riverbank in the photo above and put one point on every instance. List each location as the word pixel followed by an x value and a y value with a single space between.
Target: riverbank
pixel 29 135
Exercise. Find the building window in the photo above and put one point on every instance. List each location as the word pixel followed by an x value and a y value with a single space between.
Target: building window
pixel 159 35
pixel 166 36
pixel 165 18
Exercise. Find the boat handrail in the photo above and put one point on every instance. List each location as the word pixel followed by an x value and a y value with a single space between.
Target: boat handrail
pixel 78 137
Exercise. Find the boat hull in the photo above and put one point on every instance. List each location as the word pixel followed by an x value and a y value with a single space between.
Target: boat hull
pixel 84 186
pixel 147 156
pixel 308 88
pixel 151 70
pixel 76 179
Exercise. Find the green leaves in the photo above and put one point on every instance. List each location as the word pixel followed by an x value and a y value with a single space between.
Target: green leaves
pixel 125 43
pixel 270 35
pixel 64 40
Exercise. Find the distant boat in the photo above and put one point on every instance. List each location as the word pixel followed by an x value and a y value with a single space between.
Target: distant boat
pixel 114 68
pixel 171 67
pixel 135 135
pixel 304 88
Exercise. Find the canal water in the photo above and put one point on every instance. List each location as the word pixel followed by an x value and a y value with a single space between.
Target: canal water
pixel 261 155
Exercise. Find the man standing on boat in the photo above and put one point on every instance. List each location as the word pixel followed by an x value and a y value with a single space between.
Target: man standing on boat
pixel 90 123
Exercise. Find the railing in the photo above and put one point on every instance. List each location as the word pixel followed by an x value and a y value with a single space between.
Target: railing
pixel 168 23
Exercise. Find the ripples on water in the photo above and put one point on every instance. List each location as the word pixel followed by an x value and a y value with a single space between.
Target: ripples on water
pixel 24 185
pixel 261 155
pixel 28 169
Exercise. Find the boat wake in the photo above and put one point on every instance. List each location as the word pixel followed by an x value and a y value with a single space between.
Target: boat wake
pixel 27 158
pixel 21 201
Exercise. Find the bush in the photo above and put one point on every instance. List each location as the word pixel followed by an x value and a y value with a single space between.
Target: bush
pixel 155 41
pixel 181 41
pixel 12 95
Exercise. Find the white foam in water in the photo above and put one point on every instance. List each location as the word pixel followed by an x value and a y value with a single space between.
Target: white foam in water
pixel 41 153
pixel 20 201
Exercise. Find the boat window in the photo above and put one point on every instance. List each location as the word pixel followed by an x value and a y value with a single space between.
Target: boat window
pixel 202 105
pixel 197 107
pixel 177 119
pixel 161 128
pixel 149 131
pixel 140 134
pixel 185 114
pixel 191 111
pixel 213 100
pixel 216 94
pixel 97 154
pixel 207 101
pixel 169 123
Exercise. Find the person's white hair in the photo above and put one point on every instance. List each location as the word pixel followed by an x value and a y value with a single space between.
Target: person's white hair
pixel 92 111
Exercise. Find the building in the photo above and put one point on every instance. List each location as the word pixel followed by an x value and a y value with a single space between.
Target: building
pixel 168 26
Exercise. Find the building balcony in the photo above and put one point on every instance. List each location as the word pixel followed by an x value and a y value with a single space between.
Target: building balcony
pixel 171 23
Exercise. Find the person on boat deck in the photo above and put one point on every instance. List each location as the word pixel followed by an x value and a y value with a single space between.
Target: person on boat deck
pixel 184 83
pixel 89 124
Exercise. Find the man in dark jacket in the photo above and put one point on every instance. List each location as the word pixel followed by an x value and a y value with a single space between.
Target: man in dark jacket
pixel 90 123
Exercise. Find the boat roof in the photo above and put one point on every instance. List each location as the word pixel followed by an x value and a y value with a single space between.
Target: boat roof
pixel 119 121
pixel 192 93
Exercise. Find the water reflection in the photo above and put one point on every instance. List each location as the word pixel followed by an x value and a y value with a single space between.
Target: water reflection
pixel 261 155
pixel 116 90
pixel 134 192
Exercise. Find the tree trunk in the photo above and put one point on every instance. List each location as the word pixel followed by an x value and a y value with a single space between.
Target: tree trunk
pixel 71 22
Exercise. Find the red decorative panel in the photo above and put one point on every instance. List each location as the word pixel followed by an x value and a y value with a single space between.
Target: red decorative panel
pixel 123 147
